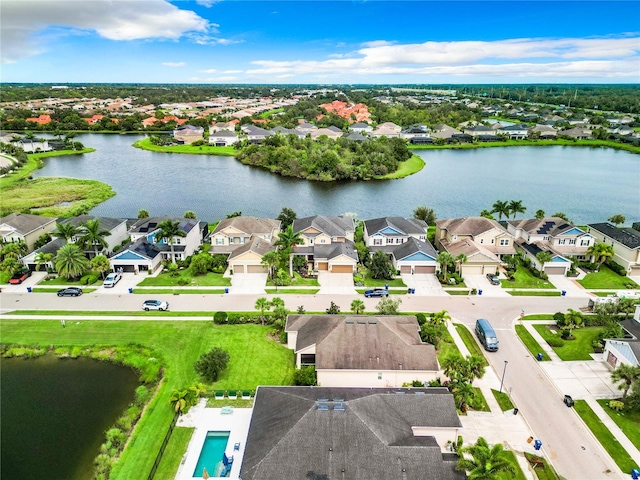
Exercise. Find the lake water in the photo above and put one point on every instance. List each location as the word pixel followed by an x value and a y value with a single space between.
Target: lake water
pixel 55 412
pixel 588 184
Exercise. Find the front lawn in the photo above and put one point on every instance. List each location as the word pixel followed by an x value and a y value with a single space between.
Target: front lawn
pixel 607 279
pixel 532 293
pixel 538 316
pixel 531 343
pixel 503 400
pixel 519 475
pixel 179 291
pixel 470 342
pixel 369 281
pixel 604 436
pixel 577 349
pixel 63 281
pixel 525 279
pixel 255 359
pixel 482 404
pixel 286 290
pixel 298 281
pixel 447 346
pixel 629 422
pixel 166 280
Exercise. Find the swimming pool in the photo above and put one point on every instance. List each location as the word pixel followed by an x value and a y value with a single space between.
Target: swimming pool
pixel 215 444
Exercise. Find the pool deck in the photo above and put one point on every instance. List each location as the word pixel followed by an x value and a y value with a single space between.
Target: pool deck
pixel 213 420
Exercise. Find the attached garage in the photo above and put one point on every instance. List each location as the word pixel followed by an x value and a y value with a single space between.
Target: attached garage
pixel 405 269
pixel 555 270
pixel 472 270
pixel 323 265
pixel 424 269
pixel 238 269
pixel 256 269
pixel 635 272
pixel 341 269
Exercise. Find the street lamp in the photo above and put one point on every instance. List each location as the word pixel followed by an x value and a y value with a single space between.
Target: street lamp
pixel 503 373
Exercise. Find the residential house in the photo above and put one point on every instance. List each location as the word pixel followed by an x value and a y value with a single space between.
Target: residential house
pixel 331 132
pixel 444 132
pixel 305 128
pixel 361 351
pixel 625 351
pixel 22 227
pixel 256 134
pixel 40 119
pixel 232 233
pixel 515 132
pixel 478 130
pixel 247 258
pixel 138 256
pixel 52 247
pixel 327 243
pixel 361 127
pixel 223 138
pixel 220 126
pixel 148 228
pixel 625 242
pixel 476 237
pixel 352 434
pixel 356 137
pixel 543 131
pixel 415 257
pixel 577 133
pixel 387 129
pixel 117 228
pixel 188 134
pixel 417 134
pixel 555 235
pixel 29 146
pixel 280 130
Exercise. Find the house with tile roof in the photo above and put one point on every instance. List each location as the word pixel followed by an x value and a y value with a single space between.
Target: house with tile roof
pixel 327 243
pixel 625 242
pixel 40 119
pixel 361 350
pixel 351 434
pixel 23 227
pixel 232 233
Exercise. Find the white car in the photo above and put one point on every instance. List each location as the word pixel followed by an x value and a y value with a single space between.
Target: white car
pixel 111 280
pixel 155 305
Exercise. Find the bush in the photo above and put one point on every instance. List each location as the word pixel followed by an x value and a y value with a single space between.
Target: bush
pixel 219 318
pixel 557 342
pixel 619 269
pixel 89 279
pixel 566 335
pixel 210 364
pixel 305 376
pixel 142 395
pixel 333 309
pixel 422 319
pixel 183 281
pixel 559 318
pixel 588 266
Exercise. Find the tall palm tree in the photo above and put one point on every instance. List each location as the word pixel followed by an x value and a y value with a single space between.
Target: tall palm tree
pixel 190 214
pixel 540 214
pixel 91 234
pixel 180 400
pixel 459 260
pixel 14 250
pixel 440 318
pixel 65 230
pixel 270 260
pixel 482 462
pixel 601 252
pixel 543 257
pixel 71 261
pixel 100 264
pixel 501 208
pixel 515 207
pixel 287 240
pixel 170 229
pixel 626 375
pixel 43 259
pixel 357 307
pixel 444 259
pixel 263 305
pixel 573 319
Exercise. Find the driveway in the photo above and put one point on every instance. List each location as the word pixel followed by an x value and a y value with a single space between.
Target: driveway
pixel 424 283
pixel 569 285
pixel 336 283
pixel 29 282
pixel 248 283
pixel 480 282
pixel 128 280
pixel 582 379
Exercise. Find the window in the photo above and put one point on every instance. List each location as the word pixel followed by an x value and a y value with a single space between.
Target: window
pixel 219 240
pixel 546 238
pixel 380 376
pixel 481 240
pixel 492 241
pixel 423 237
pixel 504 242
pixel 398 240
pixel 230 240
pixel 176 241
pixel 377 241
pixel 322 240
pixel 572 241
pixel 584 243
pixel 561 242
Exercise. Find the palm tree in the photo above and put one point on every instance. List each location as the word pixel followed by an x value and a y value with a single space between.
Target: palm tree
pixel 572 319
pixel 539 214
pixel 71 261
pixel 501 208
pixel 287 240
pixel 30 136
pixel 357 307
pixel 263 305
pixel 463 393
pixel 627 375
pixel 91 234
pixel 42 259
pixel 601 252
pixel 270 260
pixel 14 250
pixel 515 207
pixel 482 462
pixel 459 260
pixel 100 264
pixel 142 213
pixel 543 257
pixel 440 318
pixel 444 259
pixel 626 306
pixel 65 230
pixel 169 229
pixel 179 400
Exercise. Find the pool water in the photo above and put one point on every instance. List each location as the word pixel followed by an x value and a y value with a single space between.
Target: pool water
pixel 215 444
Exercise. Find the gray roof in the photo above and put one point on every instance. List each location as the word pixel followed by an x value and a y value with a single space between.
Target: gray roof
pixel 24 223
pixel 358 137
pixel 351 342
pixel 257 245
pixel 332 226
pixel 290 438
pixel 413 246
pixel 359 125
pixel 224 133
pixel 148 225
pixel 333 250
pixel 52 247
pixel 404 226
pixel 626 236
pixel 249 225
pixel 143 247
pixel 543 226
pixel 106 223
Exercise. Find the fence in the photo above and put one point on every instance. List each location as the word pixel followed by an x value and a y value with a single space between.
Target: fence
pixel 163 446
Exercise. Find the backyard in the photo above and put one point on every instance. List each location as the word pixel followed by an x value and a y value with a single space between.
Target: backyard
pixel 578 349
pixel 607 279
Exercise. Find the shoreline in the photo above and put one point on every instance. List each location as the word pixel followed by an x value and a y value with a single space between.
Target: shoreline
pixel 534 143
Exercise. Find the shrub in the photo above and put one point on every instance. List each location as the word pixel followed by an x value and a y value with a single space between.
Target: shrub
pixel 616 405
pixel 559 318
pixel 619 269
pixel 305 376
pixel 142 395
pixel 183 281
pixel 333 309
pixel 219 318
pixel 566 335
pixel 210 364
pixel 89 279
pixel 422 319
pixel 557 342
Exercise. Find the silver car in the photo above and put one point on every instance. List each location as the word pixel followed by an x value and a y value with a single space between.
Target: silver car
pixel 155 305
pixel 111 280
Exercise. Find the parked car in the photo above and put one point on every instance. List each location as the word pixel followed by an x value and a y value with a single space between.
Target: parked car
pixel 493 279
pixel 486 335
pixel 377 292
pixel 111 280
pixel 70 292
pixel 20 277
pixel 155 305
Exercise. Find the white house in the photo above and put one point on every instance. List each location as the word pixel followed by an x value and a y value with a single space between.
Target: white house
pixel 147 229
pixel 223 138
pixel 117 228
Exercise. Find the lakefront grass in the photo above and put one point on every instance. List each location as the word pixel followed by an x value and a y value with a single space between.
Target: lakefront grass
pixel 255 359
pixel 406 168
pixel 531 143
pixel 146 144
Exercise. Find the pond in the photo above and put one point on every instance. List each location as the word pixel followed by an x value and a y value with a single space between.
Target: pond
pixel 588 184
pixel 55 412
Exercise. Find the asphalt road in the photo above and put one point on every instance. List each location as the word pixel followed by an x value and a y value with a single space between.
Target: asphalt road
pixel 570 446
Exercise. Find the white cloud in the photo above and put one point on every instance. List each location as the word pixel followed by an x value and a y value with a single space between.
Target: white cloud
pixel 377 43
pixel 229 72
pixel 204 39
pixel 207 3
pixel 208 70
pixel 22 22
pixel 174 64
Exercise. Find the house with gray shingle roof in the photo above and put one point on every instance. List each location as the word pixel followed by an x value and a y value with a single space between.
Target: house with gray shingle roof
pixel 23 227
pixel 361 127
pixel 232 233
pixel 327 243
pixel 625 242
pixel 248 257
pixel 223 138
pixel 117 228
pixel 139 255
pixel 351 434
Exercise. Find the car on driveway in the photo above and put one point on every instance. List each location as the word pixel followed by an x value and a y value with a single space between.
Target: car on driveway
pixel 155 305
pixel 493 279
pixel 20 277
pixel 376 292
pixel 70 292
pixel 111 280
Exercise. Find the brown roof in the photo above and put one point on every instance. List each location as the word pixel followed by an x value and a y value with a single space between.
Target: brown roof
pixel 469 248
pixel 468 225
pixel 257 245
pixel 249 225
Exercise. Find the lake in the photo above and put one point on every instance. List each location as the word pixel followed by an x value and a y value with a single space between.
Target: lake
pixel 55 412
pixel 588 184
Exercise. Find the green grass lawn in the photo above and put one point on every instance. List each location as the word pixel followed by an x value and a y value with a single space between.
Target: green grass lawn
pixel 406 168
pixel 578 349
pixel 173 453
pixel 166 280
pixel 447 347
pixel 519 475
pixel 525 279
pixel 298 281
pixel 629 422
pixel 532 293
pixel 255 359
pixel 539 316
pixel 179 291
pixel 532 345
pixel 369 281
pixel 107 313
pixel 607 279
pixel 478 396
pixel 545 472
pixel 503 400
pixel 199 150
pixel 605 437
pixel 287 290
pixel 531 143
pixel 457 292
pixel 64 281
pixel 470 341
pixel 54 290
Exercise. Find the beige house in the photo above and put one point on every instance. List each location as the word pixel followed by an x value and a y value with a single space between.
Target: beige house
pixel 327 243
pixel 625 241
pixel 22 227
pixel 331 132
pixel 361 351
pixel 232 233
pixel 188 134
pixel 248 257
pixel 484 232
pixel 480 260
pixel 387 129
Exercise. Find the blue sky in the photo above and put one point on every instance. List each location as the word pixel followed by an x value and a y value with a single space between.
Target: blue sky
pixel 209 41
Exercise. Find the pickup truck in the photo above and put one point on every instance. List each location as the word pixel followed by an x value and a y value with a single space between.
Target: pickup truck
pixel 493 279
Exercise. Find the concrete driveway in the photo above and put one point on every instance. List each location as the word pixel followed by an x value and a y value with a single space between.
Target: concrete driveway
pixel 582 379
pixel 128 280
pixel 480 282
pixel 569 285
pixel 248 283
pixel 336 283
pixel 32 281
pixel 424 283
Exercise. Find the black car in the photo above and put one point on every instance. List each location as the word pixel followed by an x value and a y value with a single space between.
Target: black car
pixel 70 292
pixel 493 279
pixel 378 292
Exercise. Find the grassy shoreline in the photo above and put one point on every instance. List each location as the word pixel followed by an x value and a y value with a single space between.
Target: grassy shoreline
pixel 146 144
pixel 532 143
pixel 406 168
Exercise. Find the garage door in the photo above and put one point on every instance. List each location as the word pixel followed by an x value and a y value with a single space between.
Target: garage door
pixel 554 270
pixel 635 272
pixel 238 269
pixel 471 270
pixel 405 269
pixel 323 266
pixel 256 269
pixel 424 269
pixel 342 269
